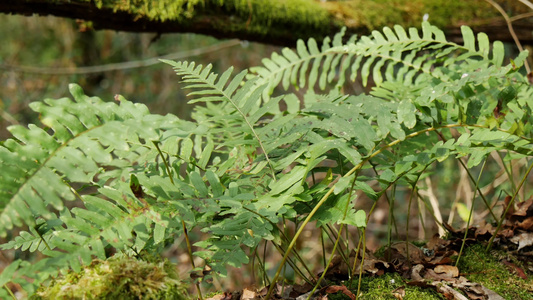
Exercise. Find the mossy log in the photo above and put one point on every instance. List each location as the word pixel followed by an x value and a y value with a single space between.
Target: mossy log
pixel 282 22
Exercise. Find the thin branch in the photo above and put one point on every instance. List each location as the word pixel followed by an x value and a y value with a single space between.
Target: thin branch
pixel 527 3
pixel 122 65
pixel 521 16
pixel 511 29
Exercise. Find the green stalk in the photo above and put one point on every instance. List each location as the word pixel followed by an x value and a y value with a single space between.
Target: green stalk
pixel 337 240
pixel 429 208
pixel 185 232
pixel 10 292
pixel 407 223
pixel 357 252
pixel 266 279
pixel 330 191
pixel 478 190
pixel 361 265
pixel 500 223
pixel 294 266
pixel 507 171
pixel 167 167
pixel 280 249
pixel 472 179
pixel 471 212
pixel 323 246
pixel 327 266
pixel 391 218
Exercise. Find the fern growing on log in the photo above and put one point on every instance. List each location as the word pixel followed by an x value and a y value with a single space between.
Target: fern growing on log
pixel 103 175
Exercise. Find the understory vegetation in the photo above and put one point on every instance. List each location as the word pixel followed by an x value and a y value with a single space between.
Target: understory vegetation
pixel 270 152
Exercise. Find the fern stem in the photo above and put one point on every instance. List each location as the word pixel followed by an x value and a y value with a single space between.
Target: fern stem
pixel 167 167
pixel 391 220
pixel 280 249
pixel 266 280
pixel 328 264
pixel 272 172
pixel 339 234
pixel 414 187
pixel 430 208
pixel 407 221
pixel 10 292
pixel 510 27
pixel 294 265
pixel 479 190
pixel 185 231
pixel 189 250
pixel 357 252
pixel 333 235
pixel 471 212
pixel 507 171
pixel 323 247
pixel 500 223
pixel 330 191
pixel 361 264
pixel 473 180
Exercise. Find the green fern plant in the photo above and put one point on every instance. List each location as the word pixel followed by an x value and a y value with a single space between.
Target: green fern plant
pixel 102 175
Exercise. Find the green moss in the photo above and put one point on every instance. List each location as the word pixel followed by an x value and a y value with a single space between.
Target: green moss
pixel 476 265
pixel 119 277
pixel 250 11
pixel 381 288
pixel 306 18
pixel 379 13
pixel 487 269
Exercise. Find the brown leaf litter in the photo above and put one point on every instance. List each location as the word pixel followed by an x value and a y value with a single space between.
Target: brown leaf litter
pixel 429 266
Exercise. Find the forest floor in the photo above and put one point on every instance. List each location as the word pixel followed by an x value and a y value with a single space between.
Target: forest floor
pixel 436 269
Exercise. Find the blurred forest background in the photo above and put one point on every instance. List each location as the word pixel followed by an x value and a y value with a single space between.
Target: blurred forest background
pixel 40 56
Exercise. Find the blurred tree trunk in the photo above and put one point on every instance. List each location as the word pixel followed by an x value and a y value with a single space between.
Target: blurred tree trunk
pixel 281 22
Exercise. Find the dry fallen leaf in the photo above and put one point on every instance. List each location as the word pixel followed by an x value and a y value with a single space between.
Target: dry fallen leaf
pixel 491 294
pixel 371 265
pixel 451 271
pixel 415 272
pixel 448 292
pixel 340 288
pixel 519 215
pixel 399 293
pixel 515 269
pixel 248 294
pixel 523 239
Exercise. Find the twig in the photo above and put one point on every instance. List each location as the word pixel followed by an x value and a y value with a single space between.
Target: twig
pixel 527 3
pixel 510 26
pixel 122 65
pixel 434 204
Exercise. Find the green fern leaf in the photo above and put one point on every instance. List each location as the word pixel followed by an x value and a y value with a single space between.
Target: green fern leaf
pixel 86 132
pixel 244 98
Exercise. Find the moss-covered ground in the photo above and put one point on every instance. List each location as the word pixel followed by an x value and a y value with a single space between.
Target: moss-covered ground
pixel 119 277
pixel 475 264
pixel 128 278
pixel 383 287
pixel 487 268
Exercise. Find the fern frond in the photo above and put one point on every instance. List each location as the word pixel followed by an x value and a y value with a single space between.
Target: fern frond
pixel 89 138
pixel 429 54
pixel 82 233
pixel 242 99
pixel 302 67
pixel 393 54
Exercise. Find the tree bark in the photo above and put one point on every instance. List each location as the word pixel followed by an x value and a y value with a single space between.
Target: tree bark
pixel 228 20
